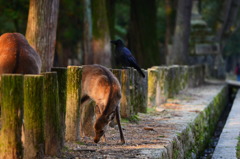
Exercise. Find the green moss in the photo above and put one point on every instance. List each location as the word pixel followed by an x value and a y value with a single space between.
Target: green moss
pixel 132 119
pixel 124 120
pixel 153 76
pixel 33 110
pixel 150 110
pixel 11 117
pixel 238 148
pixel 74 77
pixel 52 124
pixel 80 143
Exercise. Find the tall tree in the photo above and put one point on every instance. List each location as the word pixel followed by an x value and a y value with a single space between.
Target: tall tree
pixel 101 34
pixel 180 47
pixel 41 29
pixel 142 33
pixel 87 32
pixel 170 11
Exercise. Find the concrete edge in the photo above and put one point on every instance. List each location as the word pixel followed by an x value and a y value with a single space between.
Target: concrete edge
pixel 195 137
pixel 226 147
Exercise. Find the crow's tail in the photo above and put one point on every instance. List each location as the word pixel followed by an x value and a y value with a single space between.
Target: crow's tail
pixel 139 70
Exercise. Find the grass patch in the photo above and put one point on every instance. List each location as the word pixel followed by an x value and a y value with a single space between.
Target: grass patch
pixel 150 110
pixel 238 148
pixel 132 119
pixel 162 136
pixel 124 120
pixel 80 143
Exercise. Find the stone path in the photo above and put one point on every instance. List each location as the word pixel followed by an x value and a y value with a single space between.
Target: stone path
pixel 226 147
pixel 179 128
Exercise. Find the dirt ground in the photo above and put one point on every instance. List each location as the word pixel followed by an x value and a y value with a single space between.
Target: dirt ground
pixel 150 135
pixel 136 136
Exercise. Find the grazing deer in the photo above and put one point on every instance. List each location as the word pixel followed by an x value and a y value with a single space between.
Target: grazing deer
pixel 100 85
pixel 17 56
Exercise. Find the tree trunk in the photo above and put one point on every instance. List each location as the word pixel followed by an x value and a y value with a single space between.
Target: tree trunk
pixel 170 18
pixel 111 17
pixel 12 116
pixel 41 29
pixel 101 34
pixel 33 117
pixel 87 32
pixel 51 115
pixel 142 33
pixel 180 48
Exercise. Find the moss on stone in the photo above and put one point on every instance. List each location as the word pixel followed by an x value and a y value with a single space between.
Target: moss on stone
pixel 153 76
pixel 11 116
pixel 238 148
pixel 33 116
pixel 74 77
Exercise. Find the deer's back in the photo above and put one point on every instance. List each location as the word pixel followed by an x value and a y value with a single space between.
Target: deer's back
pixel 17 56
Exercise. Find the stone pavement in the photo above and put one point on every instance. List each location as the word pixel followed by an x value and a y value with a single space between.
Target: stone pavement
pixel 180 129
pixel 226 147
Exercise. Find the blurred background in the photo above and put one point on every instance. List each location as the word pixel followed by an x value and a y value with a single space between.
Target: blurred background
pixel 158 32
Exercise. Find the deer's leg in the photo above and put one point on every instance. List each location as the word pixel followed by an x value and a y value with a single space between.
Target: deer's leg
pixel 119 125
pixel 98 113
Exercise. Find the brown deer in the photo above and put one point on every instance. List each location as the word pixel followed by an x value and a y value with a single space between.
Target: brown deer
pixel 17 56
pixel 100 85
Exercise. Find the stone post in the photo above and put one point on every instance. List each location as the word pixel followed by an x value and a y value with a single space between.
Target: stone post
pixel 62 93
pixel 74 77
pixel 12 107
pixel 52 128
pixel 33 117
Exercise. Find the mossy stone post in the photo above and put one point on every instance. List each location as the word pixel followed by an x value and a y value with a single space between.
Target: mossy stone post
pixel 140 90
pixel 164 84
pixel 184 77
pixel 117 73
pixel 74 77
pixel 33 117
pixel 173 78
pixel 132 99
pixel 125 108
pixel 62 92
pixel 153 86
pixel 12 107
pixel 52 128
pixel 191 72
pixel 142 108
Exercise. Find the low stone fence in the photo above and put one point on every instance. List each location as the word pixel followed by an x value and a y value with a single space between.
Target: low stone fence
pixel 52 111
pixel 165 82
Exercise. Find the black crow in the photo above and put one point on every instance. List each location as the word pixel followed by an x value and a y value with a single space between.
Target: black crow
pixel 125 57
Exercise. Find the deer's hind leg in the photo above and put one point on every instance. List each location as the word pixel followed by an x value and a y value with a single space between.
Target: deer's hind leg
pixel 119 125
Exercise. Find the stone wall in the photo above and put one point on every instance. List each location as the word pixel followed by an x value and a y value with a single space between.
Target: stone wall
pixel 165 82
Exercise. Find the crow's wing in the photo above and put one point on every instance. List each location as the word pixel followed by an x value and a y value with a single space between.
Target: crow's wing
pixel 129 60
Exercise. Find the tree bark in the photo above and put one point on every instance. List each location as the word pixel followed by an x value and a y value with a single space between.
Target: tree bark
pixel 87 32
pixel 142 33
pixel 33 117
pixel 101 34
pixel 111 16
pixel 180 48
pixel 41 29
pixel 12 116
